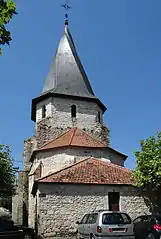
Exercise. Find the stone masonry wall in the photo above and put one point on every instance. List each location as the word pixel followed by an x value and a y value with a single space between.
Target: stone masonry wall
pixel 29 146
pixel 52 161
pixel 61 205
pixel 134 203
pixel 64 205
pixel 46 132
pixel 32 201
pixel 49 109
pixel 58 119
pixel 59 109
pixel 20 200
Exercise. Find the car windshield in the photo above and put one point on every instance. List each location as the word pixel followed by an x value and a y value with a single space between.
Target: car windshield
pixel 115 218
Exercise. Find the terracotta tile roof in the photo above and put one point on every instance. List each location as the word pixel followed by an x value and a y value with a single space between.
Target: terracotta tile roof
pixel 91 171
pixel 74 137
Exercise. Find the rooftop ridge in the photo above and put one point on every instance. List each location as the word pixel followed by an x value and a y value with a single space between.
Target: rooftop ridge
pixel 60 135
pixel 72 136
pixel 93 137
pixel 69 142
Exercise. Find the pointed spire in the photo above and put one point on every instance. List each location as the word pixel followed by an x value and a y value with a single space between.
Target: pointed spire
pixel 66 74
pixel 66 77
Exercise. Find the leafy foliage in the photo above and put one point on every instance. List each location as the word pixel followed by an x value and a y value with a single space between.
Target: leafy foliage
pixel 7 171
pixel 7 10
pixel 148 164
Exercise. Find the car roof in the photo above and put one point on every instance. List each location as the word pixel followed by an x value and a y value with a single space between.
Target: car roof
pixel 150 215
pixel 104 211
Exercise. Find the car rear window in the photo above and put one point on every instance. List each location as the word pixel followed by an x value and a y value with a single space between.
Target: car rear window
pixel 115 218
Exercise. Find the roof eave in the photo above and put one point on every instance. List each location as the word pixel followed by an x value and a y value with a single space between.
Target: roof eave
pixel 37 182
pixel 34 103
pixel 119 153
pixel 64 146
pixel 69 146
pixel 94 183
pixel 58 147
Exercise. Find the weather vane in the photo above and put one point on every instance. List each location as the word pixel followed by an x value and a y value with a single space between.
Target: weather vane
pixel 66 7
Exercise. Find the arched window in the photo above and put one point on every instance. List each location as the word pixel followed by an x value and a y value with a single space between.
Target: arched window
pixel 43 111
pixel 73 111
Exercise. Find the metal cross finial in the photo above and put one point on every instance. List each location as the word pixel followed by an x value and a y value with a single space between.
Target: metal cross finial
pixel 66 7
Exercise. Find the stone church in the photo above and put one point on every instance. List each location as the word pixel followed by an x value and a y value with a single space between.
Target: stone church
pixel 70 167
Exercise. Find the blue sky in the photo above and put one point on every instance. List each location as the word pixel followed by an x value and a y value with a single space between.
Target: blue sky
pixel 119 43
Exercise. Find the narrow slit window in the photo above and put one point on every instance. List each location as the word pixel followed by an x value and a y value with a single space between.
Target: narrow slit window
pixel 73 111
pixel 43 111
pixel 99 117
pixel 40 169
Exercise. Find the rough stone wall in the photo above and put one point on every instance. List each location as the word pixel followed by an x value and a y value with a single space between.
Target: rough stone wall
pixel 57 159
pixel 49 110
pixel 61 205
pixel 59 211
pixel 60 112
pixel 20 200
pixel 100 132
pixel 32 203
pixel 58 119
pixel 15 208
pixel 45 131
pixel 134 203
pixel 29 145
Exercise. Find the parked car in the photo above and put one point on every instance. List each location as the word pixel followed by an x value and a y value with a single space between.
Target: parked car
pixel 9 230
pixel 105 224
pixel 147 227
pixel 29 233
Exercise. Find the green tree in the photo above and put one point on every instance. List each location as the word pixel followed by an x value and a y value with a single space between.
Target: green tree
pixel 7 10
pixel 148 171
pixel 7 172
pixel 148 164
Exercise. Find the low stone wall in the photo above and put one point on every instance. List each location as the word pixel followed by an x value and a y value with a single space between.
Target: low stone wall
pixel 61 205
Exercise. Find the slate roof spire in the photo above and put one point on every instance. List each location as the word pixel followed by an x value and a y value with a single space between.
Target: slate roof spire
pixel 67 75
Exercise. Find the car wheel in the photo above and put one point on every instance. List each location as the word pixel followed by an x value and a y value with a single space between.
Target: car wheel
pixel 150 236
pixel 27 236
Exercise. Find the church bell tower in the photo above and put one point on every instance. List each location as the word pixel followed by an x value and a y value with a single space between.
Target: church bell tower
pixel 67 99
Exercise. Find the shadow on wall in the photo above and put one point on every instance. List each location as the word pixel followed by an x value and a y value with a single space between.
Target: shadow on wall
pixel 25 215
pixel 39 237
pixel 153 202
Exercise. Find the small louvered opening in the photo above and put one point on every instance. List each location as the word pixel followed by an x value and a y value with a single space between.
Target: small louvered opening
pixel 43 111
pixel 73 111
